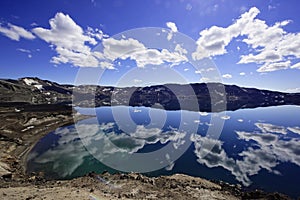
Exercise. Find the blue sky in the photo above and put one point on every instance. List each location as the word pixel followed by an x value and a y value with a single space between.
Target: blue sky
pixel 252 43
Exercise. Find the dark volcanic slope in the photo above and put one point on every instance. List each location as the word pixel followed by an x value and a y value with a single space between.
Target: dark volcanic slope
pixel 199 96
pixel 34 91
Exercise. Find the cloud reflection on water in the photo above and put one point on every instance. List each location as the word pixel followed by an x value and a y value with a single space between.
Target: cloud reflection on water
pixel 267 151
pixel 104 140
pixel 267 148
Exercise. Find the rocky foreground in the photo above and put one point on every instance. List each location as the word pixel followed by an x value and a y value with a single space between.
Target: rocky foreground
pixel 22 125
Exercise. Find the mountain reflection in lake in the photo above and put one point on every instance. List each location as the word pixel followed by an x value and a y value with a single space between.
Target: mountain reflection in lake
pixel 258 148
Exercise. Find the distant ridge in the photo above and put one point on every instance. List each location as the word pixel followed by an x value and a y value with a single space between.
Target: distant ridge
pixel 32 90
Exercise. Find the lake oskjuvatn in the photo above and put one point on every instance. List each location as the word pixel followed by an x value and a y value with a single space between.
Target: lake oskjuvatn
pixel 257 148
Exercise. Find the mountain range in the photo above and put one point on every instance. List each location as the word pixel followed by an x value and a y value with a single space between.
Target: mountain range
pixel 209 97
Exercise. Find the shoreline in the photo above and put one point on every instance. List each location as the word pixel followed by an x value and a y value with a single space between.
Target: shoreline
pixel 24 156
pixel 23 128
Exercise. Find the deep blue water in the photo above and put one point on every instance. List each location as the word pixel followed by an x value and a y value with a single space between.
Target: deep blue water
pixel 257 148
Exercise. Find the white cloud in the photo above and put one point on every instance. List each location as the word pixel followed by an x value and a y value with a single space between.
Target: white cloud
pixel 210 69
pixel 80 59
pixel 269 45
pixel 213 41
pixel 199 71
pixel 70 41
pixel 227 76
pixel 173 28
pixel 137 80
pixel 242 73
pixel 122 48
pixel 156 57
pixel 263 57
pixel 204 79
pixel 180 49
pixel 275 55
pixel 16 32
pixel 296 66
pixel 72 45
pixel 28 52
pixel 24 50
pixel 96 33
pixel 107 65
pixel 64 32
pixel 293 90
pixel 269 67
pixel 202 70
pixel 135 50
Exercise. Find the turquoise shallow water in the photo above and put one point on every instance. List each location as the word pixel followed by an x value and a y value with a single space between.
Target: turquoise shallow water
pixel 257 148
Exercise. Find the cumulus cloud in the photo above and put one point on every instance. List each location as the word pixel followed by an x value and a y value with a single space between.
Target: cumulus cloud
pixel 272 46
pixel 213 41
pixel 16 32
pixel 106 65
pixel 180 49
pixel 135 50
pixel 69 40
pixel 73 45
pixel 96 33
pixel 265 56
pixel 62 31
pixel 269 67
pixel 227 76
pixel 122 48
pixel 296 66
pixel 173 27
pixel 242 74
pixel 80 59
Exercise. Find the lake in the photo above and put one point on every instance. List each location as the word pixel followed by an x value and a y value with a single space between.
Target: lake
pixel 257 148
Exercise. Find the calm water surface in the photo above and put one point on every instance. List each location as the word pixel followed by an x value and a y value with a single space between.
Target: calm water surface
pixel 257 148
